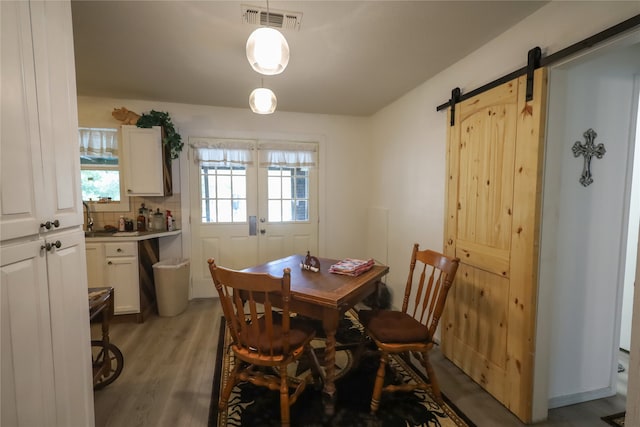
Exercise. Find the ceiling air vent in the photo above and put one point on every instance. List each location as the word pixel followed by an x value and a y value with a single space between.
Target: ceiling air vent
pixel 255 15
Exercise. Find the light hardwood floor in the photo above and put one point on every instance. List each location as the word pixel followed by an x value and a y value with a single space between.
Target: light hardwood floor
pixel 168 374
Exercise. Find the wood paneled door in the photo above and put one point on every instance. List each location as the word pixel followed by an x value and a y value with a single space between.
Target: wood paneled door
pixel 494 171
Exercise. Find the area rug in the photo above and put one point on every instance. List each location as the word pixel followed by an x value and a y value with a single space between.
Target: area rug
pixel 615 419
pixel 250 405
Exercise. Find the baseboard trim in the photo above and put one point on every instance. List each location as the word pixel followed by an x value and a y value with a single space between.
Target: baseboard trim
pixel 203 291
pixel 570 399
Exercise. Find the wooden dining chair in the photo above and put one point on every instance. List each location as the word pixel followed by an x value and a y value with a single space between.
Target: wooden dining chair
pixel 261 335
pixel 411 330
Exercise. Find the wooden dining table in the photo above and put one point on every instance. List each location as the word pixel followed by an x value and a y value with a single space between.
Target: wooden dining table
pixel 324 296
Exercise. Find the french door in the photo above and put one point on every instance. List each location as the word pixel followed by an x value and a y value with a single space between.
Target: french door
pixel 251 202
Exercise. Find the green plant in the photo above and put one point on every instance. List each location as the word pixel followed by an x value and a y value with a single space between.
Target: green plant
pixel 171 139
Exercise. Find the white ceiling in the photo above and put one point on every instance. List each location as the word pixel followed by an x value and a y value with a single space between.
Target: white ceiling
pixel 349 57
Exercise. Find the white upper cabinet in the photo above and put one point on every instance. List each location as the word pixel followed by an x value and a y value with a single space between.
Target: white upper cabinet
pixel 143 159
pixel 21 200
pixel 39 145
pixel 58 112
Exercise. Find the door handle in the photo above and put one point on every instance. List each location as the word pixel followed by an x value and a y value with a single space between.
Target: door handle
pixel 253 225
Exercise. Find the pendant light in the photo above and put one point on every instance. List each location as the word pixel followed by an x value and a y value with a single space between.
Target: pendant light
pixel 267 50
pixel 263 101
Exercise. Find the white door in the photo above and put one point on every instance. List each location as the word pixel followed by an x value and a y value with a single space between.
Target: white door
pixel 251 202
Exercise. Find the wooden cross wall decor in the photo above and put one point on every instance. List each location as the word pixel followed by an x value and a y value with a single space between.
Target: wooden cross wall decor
pixel 588 150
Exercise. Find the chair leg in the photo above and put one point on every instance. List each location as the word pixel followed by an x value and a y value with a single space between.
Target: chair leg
pixel 232 380
pixel 435 386
pixel 284 397
pixel 377 387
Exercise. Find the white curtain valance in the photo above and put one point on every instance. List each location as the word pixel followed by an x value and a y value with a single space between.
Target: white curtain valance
pixel 291 154
pixel 98 142
pixel 242 152
pixel 223 151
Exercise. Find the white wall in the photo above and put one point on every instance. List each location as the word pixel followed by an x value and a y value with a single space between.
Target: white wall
pixel 409 137
pixel 344 158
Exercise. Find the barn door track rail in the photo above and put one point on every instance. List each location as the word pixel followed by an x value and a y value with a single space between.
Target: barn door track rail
pixel 535 60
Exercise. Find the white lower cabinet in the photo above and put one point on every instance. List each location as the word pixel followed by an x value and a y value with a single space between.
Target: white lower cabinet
pixel 68 299
pixel 27 355
pixel 116 265
pixel 42 314
pixel 95 265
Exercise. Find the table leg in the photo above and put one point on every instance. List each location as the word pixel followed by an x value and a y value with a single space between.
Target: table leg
pixel 330 325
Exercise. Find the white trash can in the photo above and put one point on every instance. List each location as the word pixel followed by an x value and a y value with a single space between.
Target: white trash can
pixel 171 277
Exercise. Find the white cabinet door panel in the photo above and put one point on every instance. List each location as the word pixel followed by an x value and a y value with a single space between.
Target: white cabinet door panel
pixel 21 199
pixel 122 275
pixel 58 111
pixel 66 268
pixel 143 160
pixel 27 361
pixel 95 265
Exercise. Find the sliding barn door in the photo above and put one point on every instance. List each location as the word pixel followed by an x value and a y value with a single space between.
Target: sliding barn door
pixel 494 170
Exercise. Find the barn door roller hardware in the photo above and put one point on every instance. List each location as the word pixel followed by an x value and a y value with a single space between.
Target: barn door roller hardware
pixel 535 60
pixel 455 98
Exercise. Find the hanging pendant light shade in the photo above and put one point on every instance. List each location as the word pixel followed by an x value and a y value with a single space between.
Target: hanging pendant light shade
pixel 267 51
pixel 263 101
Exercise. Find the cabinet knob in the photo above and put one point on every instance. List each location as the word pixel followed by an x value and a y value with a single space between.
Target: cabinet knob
pixel 109 263
pixel 118 250
pixel 48 224
pixel 51 246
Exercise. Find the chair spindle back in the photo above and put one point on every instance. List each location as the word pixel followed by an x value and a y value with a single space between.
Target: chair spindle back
pixel 248 297
pixel 436 272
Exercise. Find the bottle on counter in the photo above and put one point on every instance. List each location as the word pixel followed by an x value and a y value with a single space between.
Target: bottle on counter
pixel 121 223
pixel 150 219
pixel 169 221
pixel 141 221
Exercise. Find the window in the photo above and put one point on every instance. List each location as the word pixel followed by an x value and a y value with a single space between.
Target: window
pixel 230 176
pixel 288 194
pixel 100 175
pixel 224 193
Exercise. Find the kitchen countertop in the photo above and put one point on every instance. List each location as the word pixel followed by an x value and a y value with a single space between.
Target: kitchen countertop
pixel 103 236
